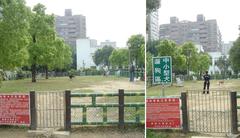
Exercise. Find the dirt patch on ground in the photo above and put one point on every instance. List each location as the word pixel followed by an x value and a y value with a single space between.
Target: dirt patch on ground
pixel 79 133
pixel 115 85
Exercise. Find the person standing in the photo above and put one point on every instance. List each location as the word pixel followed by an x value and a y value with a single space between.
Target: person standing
pixel 206 84
pixel 132 69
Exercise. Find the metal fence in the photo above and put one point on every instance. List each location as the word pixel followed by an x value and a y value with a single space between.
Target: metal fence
pixel 107 109
pixel 62 110
pixel 210 113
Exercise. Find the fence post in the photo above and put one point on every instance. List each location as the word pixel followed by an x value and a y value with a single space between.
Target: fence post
pixel 33 112
pixel 184 112
pixel 234 121
pixel 121 108
pixel 67 122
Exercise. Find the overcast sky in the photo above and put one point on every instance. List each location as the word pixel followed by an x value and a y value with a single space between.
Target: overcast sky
pixel 114 20
pixel 227 13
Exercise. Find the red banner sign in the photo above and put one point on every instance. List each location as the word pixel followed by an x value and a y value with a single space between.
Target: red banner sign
pixel 14 109
pixel 163 113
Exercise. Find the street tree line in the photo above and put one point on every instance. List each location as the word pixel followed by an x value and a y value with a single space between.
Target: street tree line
pixel 123 57
pixel 28 38
pixel 185 58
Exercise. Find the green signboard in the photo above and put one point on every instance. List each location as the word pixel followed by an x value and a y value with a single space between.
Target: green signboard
pixel 162 70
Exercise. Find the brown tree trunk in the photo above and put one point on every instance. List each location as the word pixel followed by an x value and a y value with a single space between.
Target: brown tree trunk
pixel 46 71
pixel 34 72
pixel 34 66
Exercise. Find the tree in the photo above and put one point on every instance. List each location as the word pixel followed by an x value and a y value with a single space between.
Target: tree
pixel 190 53
pixel 58 55
pixel 203 63
pixel 223 63
pixel 101 56
pixel 142 56
pixel 42 36
pixel 14 37
pixel 135 45
pixel 152 5
pixel 151 47
pixel 149 57
pixel 119 58
pixel 169 48
pixel 234 56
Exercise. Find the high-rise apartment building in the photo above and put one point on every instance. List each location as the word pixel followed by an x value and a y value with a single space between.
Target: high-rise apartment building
pixel 202 32
pixel 152 24
pixel 226 47
pixel 71 27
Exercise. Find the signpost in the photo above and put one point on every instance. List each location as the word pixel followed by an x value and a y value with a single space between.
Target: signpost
pixel 163 113
pixel 162 71
pixel 14 109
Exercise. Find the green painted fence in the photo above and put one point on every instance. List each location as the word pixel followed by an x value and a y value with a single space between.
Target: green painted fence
pixel 126 102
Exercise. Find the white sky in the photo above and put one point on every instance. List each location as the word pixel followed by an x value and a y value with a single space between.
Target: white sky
pixel 227 13
pixel 114 20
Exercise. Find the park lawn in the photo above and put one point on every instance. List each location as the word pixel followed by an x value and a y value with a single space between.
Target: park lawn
pixel 55 83
pixel 174 90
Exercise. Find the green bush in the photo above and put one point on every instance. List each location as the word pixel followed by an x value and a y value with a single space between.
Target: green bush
pixel 92 71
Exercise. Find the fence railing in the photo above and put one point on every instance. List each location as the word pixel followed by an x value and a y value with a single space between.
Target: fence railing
pixel 66 109
pixel 97 112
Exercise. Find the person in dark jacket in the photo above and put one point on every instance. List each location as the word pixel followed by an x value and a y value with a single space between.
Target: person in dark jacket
pixel 206 84
pixel 131 70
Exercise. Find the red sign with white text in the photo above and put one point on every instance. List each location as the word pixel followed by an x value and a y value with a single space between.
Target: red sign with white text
pixel 163 113
pixel 14 109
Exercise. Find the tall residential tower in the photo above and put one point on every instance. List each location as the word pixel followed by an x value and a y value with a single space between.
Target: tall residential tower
pixel 202 32
pixel 71 27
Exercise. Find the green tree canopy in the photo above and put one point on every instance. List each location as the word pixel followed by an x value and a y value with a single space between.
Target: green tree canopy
pixel 14 36
pixel 190 53
pixel 149 57
pixel 45 48
pixel 151 47
pixel 234 56
pixel 152 5
pixel 119 58
pixel 223 63
pixel 136 45
pixel 203 63
pixel 101 56
pixel 42 37
pixel 169 48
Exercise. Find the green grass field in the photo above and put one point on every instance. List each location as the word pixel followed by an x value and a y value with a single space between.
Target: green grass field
pixel 88 83
pixel 192 85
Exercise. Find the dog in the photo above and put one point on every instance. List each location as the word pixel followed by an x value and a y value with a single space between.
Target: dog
pixel 220 82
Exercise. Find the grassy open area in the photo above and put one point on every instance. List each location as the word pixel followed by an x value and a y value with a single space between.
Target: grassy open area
pixel 233 84
pixel 86 83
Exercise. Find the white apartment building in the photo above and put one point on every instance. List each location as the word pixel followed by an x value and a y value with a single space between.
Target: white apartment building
pixel 85 49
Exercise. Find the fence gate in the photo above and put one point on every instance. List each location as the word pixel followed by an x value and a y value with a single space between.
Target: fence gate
pixel 210 113
pixel 49 110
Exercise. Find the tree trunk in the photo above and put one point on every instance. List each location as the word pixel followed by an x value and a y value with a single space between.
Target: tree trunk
pixel 46 71
pixel 34 66
pixel 34 72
